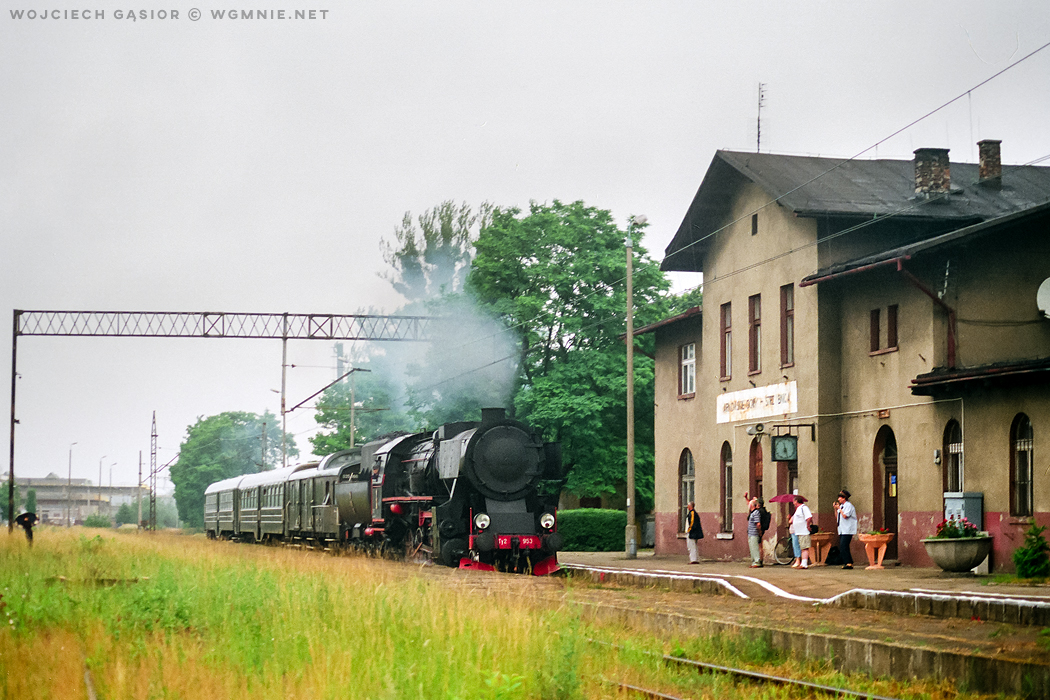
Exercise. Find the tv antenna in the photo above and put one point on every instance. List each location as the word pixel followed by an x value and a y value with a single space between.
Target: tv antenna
pixel 758 131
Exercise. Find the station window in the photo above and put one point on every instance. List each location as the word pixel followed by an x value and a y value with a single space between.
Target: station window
pixel 686 486
pixel 876 333
pixel 754 334
pixel 726 487
pixel 687 369
pixel 726 345
pixel 1021 448
pixel 787 325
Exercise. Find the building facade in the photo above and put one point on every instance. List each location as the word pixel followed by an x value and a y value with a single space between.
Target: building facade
pixel 60 499
pixel 868 325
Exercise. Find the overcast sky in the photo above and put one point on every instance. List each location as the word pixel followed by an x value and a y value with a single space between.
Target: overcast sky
pixel 254 165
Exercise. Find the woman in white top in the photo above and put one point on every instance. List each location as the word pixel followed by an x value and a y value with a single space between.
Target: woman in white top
pixel 800 522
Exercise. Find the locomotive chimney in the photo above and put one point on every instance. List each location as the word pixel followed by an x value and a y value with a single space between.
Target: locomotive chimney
pixel 492 415
pixel 932 171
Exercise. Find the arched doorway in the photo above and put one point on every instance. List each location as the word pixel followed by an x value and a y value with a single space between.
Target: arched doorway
pixel 885 485
pixel 755 469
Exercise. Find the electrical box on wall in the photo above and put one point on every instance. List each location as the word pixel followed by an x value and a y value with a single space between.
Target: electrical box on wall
pixel 969 505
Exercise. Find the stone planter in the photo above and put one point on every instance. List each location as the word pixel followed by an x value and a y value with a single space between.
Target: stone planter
pixel 958 553
pixel 875 548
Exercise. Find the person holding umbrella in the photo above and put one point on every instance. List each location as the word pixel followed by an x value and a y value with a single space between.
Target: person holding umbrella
pixel 27 520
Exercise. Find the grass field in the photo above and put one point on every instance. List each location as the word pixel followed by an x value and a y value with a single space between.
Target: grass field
pixel 173 616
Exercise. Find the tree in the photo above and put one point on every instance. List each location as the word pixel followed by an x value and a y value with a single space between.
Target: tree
pixel 126 514
pixel 31 500
pixel 434 258
pixel 220 447
pixel 5 498
pixel 377 411
pixel 556 278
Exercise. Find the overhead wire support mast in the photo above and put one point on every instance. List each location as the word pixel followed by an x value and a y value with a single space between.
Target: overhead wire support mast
pixel 177 324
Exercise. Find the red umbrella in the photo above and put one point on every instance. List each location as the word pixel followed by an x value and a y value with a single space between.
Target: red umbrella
pixel 786 498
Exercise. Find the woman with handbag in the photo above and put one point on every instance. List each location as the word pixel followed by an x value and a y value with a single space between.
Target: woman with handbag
pixel 801 520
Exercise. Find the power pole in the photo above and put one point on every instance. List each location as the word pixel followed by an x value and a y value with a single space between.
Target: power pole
pixel 138 494
pixel 153 475
pixel 69 489
pixel 631 534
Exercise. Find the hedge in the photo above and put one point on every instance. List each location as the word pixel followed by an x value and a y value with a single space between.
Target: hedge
pixel 592 529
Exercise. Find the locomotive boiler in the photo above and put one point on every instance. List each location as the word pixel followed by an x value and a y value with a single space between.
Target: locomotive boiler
pixel 466 495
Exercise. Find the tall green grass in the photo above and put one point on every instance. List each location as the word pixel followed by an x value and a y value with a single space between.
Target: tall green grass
pixel 167 616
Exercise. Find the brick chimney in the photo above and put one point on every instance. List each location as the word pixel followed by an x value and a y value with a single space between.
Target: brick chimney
pixel 932 171
pixel 991 166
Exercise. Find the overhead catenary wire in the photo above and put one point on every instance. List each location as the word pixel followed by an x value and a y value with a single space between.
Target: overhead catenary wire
pixel 607 287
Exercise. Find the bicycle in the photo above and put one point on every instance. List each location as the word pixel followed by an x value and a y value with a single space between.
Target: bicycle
pixel 784 551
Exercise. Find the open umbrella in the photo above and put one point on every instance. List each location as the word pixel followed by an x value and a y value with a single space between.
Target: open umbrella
pixel 26 517
pixel 785 498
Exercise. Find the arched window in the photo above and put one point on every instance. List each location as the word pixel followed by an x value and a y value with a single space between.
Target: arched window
pixel 953 457
pixel 1021 467
pixel 686 486
pixel 726 487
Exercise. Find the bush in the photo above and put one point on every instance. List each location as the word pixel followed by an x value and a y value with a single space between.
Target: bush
pixel 97 520
pixel 592 529
pixel 1032 558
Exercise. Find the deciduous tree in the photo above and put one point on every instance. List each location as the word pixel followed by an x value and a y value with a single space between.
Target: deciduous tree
pixel 556 276
pixel 219 447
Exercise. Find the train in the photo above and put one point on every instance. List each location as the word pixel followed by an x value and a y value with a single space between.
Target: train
pixel 466 495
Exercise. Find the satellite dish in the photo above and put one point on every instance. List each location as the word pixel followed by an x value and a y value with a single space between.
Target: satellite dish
pixel 1042 298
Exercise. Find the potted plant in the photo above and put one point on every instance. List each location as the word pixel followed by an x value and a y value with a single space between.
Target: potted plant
pixel 958 545
pixel 875 542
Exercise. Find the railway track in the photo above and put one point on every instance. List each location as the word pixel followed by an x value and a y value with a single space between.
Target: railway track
pixel 755 676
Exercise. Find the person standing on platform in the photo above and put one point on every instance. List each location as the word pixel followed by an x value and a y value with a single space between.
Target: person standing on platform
pixel 800 522
pixel 846 517
pixel 754 531
pixel 694 533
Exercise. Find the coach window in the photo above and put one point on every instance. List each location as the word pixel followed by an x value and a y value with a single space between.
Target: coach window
pixel 687 370
pixel 686 486
pixel 726 487
pixel 1021 467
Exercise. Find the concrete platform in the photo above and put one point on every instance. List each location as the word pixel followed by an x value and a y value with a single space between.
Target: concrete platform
pixel 900 622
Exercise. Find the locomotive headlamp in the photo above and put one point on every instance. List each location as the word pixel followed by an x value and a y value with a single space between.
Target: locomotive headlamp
pixel 482 521
pixel 547 521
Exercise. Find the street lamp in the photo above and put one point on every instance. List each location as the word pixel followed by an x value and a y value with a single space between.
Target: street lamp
pixel 631 534
pixel 69 489
pixel 98 508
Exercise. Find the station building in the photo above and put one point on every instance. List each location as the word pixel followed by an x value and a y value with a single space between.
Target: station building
pixel 873 325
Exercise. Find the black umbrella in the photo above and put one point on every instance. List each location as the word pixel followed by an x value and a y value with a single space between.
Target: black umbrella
pixel 26 518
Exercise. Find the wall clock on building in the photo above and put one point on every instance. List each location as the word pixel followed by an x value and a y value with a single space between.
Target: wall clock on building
pixel 785 448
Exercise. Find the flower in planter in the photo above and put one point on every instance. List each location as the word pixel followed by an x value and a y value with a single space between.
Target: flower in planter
pixel 953 529
pixel 878 531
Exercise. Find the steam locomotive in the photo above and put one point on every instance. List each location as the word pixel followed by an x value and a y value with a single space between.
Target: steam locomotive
pixel 464 495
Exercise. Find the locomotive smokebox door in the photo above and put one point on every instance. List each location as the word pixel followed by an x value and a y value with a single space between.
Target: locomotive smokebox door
pixel 504 462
